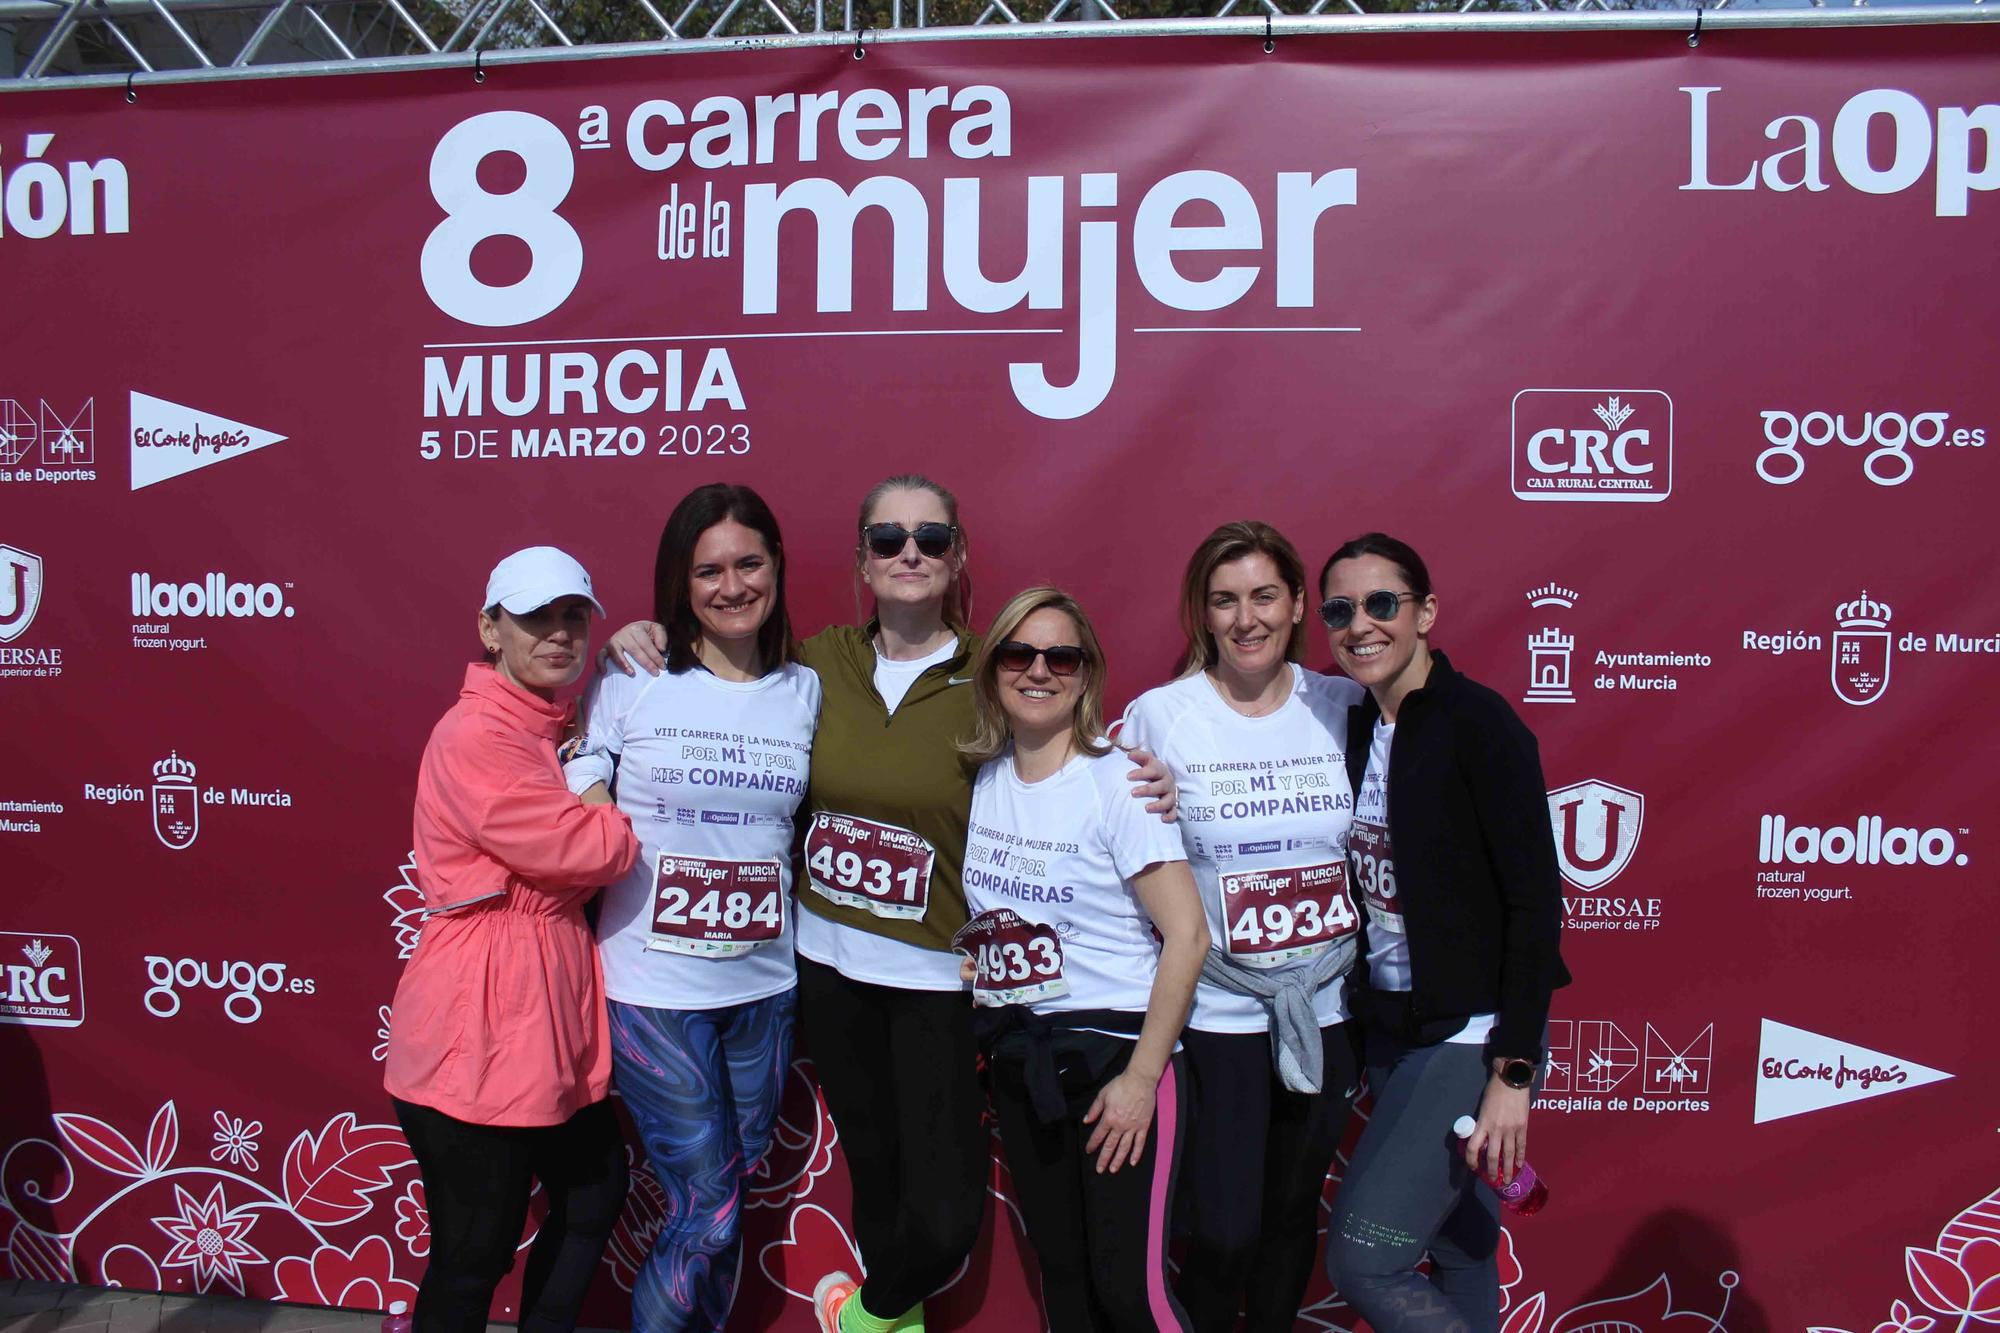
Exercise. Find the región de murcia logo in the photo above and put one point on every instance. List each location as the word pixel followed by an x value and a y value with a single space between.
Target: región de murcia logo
pixel 1861 650
pixel 176 800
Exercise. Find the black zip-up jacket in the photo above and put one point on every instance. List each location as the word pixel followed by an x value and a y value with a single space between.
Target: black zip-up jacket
pixel 1475 859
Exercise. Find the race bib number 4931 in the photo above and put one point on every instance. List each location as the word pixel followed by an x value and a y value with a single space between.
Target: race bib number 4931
pixel 715 909
pixel 877 867
pixel 1280 914
pixel 1017 961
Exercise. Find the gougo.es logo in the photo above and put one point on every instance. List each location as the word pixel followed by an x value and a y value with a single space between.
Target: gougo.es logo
pixel 1887 436
pixel 246 983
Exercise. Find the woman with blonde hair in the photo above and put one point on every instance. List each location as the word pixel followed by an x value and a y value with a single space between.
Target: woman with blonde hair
pixel 1079 1002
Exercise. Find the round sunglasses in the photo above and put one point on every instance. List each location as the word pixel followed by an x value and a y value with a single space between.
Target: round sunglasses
pixel 1382 605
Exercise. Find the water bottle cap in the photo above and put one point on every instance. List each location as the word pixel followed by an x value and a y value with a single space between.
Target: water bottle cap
pixel 398 1307
pixel 1463 1126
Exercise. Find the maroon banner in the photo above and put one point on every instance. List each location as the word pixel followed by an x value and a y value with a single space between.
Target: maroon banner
pixel 1676 364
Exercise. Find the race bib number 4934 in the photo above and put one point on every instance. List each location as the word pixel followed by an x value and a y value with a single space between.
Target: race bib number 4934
pixel 1016 961
pixel 715 909
pixel 1275 916
pixel 876 867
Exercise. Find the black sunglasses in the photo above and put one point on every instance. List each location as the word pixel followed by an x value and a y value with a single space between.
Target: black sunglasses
pixel 1065 659
pixel 1383 605
pixel 885 540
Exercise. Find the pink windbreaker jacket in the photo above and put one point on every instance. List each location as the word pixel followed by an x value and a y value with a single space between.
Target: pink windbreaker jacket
pixel 500 1016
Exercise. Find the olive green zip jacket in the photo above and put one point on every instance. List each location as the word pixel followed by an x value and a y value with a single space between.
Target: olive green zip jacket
pixel 903 769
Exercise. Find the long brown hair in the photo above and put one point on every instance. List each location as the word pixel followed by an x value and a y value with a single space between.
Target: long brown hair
pixel 1231 542
pixel 699 510
pixel 957 602
pixel 991 731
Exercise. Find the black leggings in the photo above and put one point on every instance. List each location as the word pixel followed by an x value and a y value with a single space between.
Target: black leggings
pixel 476 1184
pixel 1255 1170
pixel 898 1070
pixel 1100 1239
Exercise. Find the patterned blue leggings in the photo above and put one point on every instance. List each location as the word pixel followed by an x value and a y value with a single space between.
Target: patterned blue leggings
pixel 702 1086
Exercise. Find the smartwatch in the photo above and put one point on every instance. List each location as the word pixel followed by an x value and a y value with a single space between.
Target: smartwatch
pixel 1516 1072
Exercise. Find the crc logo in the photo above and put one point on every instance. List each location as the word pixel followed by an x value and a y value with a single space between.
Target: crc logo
pixel 1597 829
pixel 1602 445
pixel 41 980
pixel 246 984
pixel 20 591
pixel 1887 436
pixel 67 438
pixel 1861 648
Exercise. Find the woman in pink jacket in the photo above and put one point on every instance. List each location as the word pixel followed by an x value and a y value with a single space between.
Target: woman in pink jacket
pixel 499 1052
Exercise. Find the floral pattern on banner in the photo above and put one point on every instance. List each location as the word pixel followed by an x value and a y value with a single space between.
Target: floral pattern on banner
pixel 212 1222
pixel 1958 1277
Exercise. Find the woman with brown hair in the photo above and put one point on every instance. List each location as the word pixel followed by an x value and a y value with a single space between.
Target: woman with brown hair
pixel 1257 743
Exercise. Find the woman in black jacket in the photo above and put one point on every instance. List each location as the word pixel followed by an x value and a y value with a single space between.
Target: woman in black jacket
pixel 1452 851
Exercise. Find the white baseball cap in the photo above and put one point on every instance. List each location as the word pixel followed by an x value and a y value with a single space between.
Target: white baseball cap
pixel 532 578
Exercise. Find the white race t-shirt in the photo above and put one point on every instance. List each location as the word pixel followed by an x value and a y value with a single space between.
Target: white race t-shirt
pixel 1371 864
pixel 893 679
pixel 711 772
pixel 1060 854
pixel 1264 812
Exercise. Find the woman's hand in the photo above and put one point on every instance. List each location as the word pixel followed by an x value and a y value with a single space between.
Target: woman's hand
pixel 1155 784
pixel 968 971
pixel 1122 1112
pixel 642 643
pixel 1502 1131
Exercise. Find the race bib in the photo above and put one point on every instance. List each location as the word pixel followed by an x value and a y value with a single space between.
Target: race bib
pixel 879 868
pixel 1283 913
pixel 1374 868
pixel 715 909
pixel 1017 961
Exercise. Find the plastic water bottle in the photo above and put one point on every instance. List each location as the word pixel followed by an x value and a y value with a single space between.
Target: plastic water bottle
pixel 398 1318
pixel 1525 1196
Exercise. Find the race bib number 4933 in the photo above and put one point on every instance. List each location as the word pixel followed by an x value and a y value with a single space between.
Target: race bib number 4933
pixel 1280 914
pixel 877 867
pixel 1017 961
pixel 715 909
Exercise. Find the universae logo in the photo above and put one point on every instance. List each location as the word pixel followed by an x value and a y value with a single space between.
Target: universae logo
pixel 1613 446
pixel 20 591
pixel 1597 827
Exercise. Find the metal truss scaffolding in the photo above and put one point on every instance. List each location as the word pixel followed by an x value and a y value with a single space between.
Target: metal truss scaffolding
pixel 66 41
